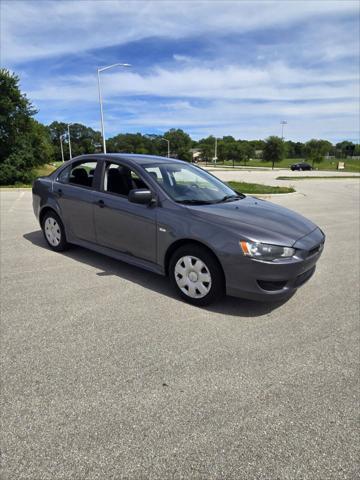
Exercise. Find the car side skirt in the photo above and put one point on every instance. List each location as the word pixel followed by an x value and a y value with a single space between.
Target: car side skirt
pixel 124 257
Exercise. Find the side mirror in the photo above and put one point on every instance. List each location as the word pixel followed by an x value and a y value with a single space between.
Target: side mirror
pixel 140 195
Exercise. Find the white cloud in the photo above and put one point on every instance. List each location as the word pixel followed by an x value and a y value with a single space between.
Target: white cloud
pixel 215 96
pixel 182 58
pixel 242 120
pixel 243 102
pixel 38 29
pixel 275 81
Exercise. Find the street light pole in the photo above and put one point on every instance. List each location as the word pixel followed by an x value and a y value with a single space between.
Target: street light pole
pixel 101 112
pixel 168 146
pixel 283 122
pixel 215 156
pixel 100 98
pixel 69 138
pixel 62 149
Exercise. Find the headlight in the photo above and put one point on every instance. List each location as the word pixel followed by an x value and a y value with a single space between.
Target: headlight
pixel 264 251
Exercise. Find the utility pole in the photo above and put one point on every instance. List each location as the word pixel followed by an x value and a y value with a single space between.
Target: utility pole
pixel 69 138
pixel 215 153
pixel 62 149
pixel 99 70
pixel 168 146
pixel 283 122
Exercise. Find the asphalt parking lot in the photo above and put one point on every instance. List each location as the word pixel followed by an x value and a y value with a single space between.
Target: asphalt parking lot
pixel 107 375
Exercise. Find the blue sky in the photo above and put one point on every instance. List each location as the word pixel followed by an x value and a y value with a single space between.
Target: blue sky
pixel 212 68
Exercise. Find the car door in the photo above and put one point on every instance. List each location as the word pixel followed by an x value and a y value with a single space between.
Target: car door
pixel 74 189
pixel 121 225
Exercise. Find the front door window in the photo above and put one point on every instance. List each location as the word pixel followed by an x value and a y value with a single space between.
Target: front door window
pixel 120 179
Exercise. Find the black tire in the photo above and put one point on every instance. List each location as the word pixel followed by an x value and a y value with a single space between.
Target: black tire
pixel 58 229
pixel 212 266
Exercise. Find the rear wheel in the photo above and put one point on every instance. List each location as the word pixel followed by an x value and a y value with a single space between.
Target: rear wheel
pixel 54 231
pixel 196 275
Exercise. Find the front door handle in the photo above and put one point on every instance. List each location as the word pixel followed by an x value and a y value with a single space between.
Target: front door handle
pixel 101 203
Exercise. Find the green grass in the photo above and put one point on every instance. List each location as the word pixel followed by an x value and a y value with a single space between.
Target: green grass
pixel 244 187
pixel 17 185
pixel 327 164
pixel 321 177
pixel 46 169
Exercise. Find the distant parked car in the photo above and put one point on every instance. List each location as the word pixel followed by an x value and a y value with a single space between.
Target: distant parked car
pixel 175 219
pixel 301 166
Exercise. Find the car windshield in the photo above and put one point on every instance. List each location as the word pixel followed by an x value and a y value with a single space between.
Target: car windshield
pixel 191 185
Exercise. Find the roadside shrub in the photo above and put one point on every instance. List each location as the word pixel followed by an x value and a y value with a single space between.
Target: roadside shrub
pixel 14 170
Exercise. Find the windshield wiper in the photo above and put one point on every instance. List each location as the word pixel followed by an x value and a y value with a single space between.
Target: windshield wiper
pixel 230 198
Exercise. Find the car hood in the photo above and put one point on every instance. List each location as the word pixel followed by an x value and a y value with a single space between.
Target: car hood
pixel 257 220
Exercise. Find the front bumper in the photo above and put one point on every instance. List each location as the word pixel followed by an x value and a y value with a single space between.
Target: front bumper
pixel 266 281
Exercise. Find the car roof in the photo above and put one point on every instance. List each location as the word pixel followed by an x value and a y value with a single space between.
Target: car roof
pixel 134 157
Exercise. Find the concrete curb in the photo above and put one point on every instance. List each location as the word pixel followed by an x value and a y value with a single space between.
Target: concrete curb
pixel 269 195
pixel 20 189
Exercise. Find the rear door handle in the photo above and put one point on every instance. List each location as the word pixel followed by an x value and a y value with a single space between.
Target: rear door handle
pixel 101 203
pixel 59 192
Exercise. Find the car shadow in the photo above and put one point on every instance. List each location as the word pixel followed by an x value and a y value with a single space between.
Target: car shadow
pixel 109 266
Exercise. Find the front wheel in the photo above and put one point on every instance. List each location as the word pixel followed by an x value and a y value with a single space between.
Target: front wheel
pixel 54 231
pixel 196 275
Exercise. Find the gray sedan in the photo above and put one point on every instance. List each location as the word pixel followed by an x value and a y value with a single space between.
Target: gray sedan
pixel 175 219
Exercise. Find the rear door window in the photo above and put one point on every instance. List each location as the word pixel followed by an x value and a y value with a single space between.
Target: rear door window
pixel 79 173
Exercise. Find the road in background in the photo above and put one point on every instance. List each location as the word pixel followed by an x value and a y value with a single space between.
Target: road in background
pixel 269 176
pixel 107 375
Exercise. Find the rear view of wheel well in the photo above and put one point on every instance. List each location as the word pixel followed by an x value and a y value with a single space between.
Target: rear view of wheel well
pixel 180 243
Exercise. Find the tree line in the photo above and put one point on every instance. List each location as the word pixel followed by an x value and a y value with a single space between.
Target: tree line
pixel 26 144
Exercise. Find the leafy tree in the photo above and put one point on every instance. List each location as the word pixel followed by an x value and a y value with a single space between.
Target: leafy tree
pixel 133 143
pixel 294 149
pixel 228 149
pixel 83 139
pixel 346 148
pixel 24 142
pixel 315 150
pixel 222 150
pixel 15 113
pixel 57 130
pixel 207 146
pixel 257 144
pixel 246 150
pixel 156 145
pixel 180 143
pixel 274 150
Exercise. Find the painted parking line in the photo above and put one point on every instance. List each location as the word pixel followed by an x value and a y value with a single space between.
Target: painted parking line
pixel 16 201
